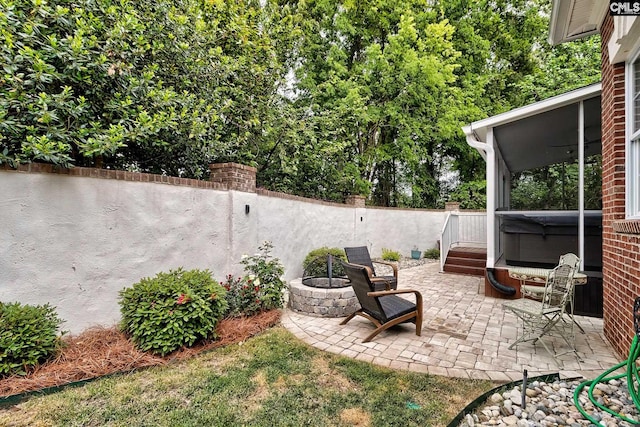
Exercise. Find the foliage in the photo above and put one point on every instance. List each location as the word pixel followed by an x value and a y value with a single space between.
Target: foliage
pixel 556 186
pixel 382 89
pixel 266 271
pixel 158 86
pixel 375 82
pixel 28 336
pixel 432 253
pixel 247 296
pixel 315 264
pixel 326 98
pixel 390 255
pixel 172 310
pixel 243 296
pixel 272 379
pixel 471 195
pixel 562 68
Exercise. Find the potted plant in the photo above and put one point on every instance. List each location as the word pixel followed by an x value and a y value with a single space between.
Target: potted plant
pixel 415 253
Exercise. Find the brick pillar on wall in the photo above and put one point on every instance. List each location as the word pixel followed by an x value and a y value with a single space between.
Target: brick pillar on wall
pixel 355 200
pixel 621 283
pixel 235 176
pixel 451 206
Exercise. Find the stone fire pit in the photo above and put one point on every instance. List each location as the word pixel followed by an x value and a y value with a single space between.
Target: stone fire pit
pixel 326 282
pixel 323 301
pixel 324 290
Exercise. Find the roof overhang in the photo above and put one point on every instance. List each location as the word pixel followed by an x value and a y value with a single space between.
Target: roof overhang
pixel 543 133
pixel 574 19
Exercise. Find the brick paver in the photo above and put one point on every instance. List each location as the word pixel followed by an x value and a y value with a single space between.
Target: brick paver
pixel 464 334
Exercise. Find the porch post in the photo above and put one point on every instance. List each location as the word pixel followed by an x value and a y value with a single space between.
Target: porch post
pixel 581 183
pixel 491 201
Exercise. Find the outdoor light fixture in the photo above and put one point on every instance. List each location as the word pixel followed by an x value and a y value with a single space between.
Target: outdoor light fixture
pixel 247 208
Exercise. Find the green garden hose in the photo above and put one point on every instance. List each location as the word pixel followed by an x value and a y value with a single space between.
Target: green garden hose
pixel 631 373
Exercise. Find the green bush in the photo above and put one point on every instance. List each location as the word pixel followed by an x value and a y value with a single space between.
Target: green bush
pixel 432 253
pixel 243 296
pixel 172 310
pixel 28 336
pixel 265 273
pixel 389 255
pixel 125 84
pixel 315 263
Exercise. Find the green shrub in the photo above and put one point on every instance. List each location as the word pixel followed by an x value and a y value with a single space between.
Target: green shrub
pixel 315 263
pixel 28 336
pixel 432 253
pixel 243 296
pixel 172 310
pixel 123 82
pixel 389 255
pixel 265 272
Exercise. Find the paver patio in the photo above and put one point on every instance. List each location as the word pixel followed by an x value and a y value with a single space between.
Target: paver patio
pixel 465 334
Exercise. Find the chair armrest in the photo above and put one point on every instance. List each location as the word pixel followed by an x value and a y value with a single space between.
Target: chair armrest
pixel 387 284
pixel 390 264
pixel 369 271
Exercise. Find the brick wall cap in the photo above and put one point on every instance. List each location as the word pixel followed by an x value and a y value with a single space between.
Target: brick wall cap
pixel 231 165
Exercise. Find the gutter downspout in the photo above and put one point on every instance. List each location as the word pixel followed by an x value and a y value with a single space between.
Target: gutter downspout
pixel 488 154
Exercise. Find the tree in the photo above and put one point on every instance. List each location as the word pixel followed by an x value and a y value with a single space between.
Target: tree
pixel 562 68
pixel 506 62
pixel 556 186
pixel 158 86
pixel 325 97
pixel 373 80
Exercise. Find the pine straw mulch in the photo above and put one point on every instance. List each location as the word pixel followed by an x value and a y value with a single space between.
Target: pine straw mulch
pixel 101 351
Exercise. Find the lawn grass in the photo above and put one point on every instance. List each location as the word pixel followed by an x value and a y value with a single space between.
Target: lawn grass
pixel 273 379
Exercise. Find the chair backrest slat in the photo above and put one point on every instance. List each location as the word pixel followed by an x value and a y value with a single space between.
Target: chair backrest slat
pixel 570 259
pixel 559 287
pixel 360 255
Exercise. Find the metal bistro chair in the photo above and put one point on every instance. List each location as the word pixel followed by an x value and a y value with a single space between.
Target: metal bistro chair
pixel 544 318
pixel 384 308
pixel 537 292
pixel 360 255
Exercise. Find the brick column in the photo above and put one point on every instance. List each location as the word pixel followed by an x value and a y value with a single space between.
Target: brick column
pixel 451 206
pixel 355 201
pixel 235 176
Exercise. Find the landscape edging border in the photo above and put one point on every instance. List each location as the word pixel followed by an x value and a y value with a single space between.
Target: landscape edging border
pixel 14 399
pixel 471 407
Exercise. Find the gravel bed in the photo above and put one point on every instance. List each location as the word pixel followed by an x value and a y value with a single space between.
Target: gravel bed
pixel 551 404
pixel 406 262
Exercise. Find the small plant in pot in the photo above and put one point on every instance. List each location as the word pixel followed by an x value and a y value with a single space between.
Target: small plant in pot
pixel 415 253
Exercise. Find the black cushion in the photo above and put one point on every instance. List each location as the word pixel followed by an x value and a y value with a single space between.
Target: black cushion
pixel 394 306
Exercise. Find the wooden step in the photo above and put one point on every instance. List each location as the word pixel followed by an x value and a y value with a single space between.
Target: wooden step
pixel 462 269
pixel 466 252
pixel 466 260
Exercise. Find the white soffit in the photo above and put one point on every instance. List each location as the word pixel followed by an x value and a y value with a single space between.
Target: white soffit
pixel 574 19
pixel 545 132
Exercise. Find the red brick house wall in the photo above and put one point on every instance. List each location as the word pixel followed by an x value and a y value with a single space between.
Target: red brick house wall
pixel 621 250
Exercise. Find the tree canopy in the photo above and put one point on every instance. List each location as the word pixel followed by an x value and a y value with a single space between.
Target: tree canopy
pixel 324 97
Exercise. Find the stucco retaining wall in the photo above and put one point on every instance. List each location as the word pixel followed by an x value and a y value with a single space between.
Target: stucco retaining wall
pixel 76 241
